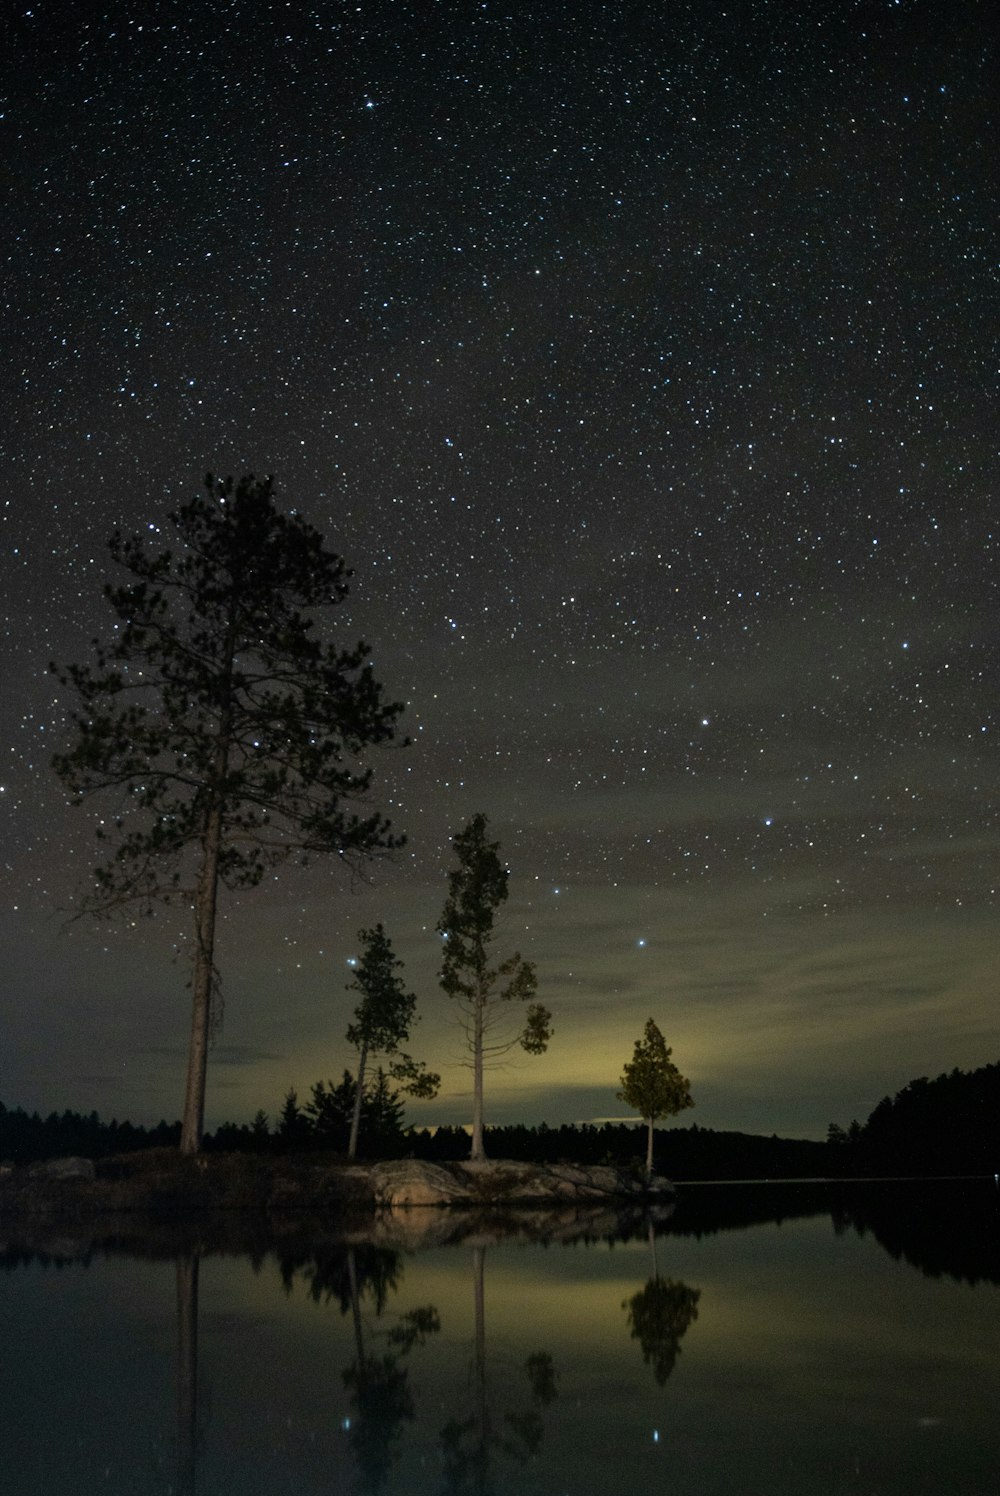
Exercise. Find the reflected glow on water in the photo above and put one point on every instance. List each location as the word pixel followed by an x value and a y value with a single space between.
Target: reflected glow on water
pixel 720 1355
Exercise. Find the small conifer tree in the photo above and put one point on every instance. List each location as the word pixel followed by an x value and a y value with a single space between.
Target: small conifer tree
pixel 653 1085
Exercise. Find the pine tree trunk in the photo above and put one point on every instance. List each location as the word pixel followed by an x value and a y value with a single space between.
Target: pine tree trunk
pixel 649 1151
pixel 359 1093
pixel 206 901
pixel 478 1153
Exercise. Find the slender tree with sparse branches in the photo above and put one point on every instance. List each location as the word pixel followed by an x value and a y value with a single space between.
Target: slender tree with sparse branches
pixel 483 991
pixel 382 1022
pixel 230 731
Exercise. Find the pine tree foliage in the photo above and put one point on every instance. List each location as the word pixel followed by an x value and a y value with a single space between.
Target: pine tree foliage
pixel 652 1084
pixel 293 1126
pixel 228 733
pixel 330 1108
pixel 382 1023
pixel 482 990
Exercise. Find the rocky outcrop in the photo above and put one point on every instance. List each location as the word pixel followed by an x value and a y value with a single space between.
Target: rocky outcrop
pixel 408 1181
pixel 403 1183
pixel 63 1168
pixel 165 1184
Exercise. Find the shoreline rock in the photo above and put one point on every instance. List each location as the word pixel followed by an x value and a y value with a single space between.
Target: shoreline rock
pixel 58 1169
pixel 166 1184
pixel 409 1182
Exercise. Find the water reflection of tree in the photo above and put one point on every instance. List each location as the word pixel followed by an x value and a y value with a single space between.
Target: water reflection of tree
pixel 469 1445
pixel 940 1227
pixel 379 1384
pixel 346 1275
pixel 659 1317
pixel 361 1280
pixel 187 1371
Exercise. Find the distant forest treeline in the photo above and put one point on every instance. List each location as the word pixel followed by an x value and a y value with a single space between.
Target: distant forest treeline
pixel 950 1125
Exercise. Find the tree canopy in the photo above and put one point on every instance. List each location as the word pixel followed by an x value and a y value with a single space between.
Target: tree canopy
pixel 652 1084
pixel 228 732
pixel 382 1021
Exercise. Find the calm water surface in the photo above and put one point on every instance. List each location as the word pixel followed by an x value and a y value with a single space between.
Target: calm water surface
pixel 795 1340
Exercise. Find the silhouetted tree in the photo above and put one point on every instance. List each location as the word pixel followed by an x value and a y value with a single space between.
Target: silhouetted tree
pixel 382 1022
pixel 330 1109
pixel 293 1126
pixel 476 890
pixel 383 1112
pixel 232 736
pixel 652 1083
pixel 24 1138
pixel 942 1126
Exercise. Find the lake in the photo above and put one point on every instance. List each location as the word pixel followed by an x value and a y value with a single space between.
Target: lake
pixel 801 1338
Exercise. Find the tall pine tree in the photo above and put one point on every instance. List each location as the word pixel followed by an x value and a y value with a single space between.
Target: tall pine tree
pixel 230 733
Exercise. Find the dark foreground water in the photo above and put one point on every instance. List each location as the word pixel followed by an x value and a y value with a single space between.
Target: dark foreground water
pixel 786 1340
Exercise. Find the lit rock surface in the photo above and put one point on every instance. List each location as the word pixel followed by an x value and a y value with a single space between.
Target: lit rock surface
pixel 63 1168
pixel 410 1182
pixel 407 1181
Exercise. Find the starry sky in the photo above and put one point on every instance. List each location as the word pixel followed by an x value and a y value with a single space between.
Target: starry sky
pixel 641 360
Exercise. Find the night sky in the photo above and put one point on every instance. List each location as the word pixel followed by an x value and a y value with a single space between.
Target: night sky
pixel 641 360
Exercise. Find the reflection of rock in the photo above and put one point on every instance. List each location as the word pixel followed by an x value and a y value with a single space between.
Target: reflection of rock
pixel 497 1199
pixel 408 1230
pixel 410 1182
pixel 62 1168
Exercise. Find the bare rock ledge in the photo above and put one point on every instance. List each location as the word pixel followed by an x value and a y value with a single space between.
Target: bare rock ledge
pixel 409 1182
